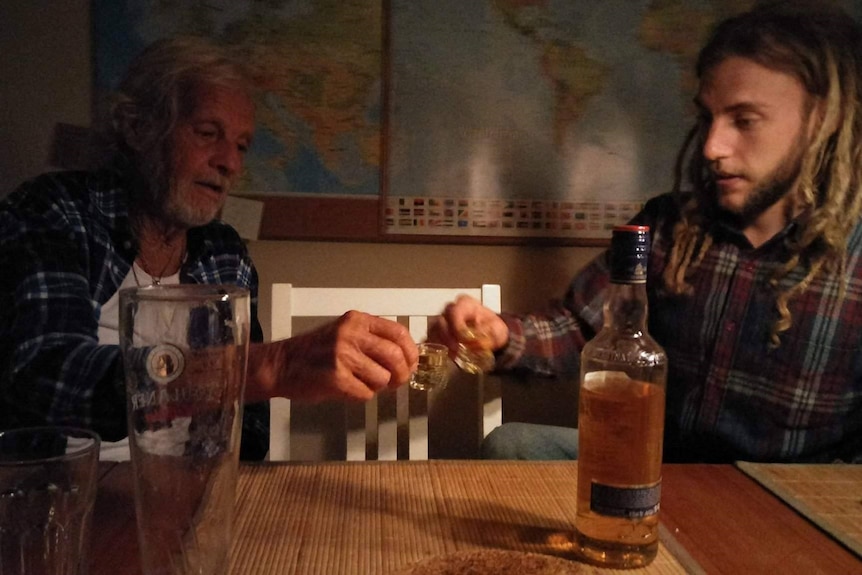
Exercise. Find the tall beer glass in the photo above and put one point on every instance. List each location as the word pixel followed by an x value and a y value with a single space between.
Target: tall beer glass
pixel 184 352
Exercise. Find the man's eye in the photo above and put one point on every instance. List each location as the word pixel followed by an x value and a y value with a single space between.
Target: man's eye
pixel 744 122
pixel 206 133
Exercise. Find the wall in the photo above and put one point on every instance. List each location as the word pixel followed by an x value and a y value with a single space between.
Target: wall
pixel 529 276
pixel 46 69
pixel 46 76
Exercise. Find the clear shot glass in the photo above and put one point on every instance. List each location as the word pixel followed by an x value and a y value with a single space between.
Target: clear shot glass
pixel 433 369
pixel 474 350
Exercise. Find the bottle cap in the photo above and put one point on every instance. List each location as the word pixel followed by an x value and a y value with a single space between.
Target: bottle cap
pixel 629 254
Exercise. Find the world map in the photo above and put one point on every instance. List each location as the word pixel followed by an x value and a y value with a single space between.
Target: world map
pixel 479 117
pixel 537 99
pixel 317 67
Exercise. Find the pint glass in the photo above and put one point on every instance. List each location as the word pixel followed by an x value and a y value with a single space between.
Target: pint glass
pixel 184 353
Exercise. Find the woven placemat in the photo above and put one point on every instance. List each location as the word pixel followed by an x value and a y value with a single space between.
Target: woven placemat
pixel 829 495
pixel 385 518
pixel 494 562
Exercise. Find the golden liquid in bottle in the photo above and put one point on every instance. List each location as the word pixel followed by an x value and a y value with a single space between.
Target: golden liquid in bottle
pixel 620 424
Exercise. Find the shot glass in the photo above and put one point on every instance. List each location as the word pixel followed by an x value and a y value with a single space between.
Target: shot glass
pixel 433 369
pixel 184 353
pixel 474 350
pixel 48 481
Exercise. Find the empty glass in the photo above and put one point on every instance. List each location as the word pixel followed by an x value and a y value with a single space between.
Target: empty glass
pixel 184 353
pixel 48 481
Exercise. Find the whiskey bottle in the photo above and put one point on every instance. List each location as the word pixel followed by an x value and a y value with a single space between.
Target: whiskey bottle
pixel 621 418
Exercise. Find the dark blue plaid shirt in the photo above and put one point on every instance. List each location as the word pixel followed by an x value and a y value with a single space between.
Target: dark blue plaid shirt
pixel 66 245
pixel 729 394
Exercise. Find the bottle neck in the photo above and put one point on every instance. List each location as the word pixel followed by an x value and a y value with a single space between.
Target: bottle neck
pixel 625 308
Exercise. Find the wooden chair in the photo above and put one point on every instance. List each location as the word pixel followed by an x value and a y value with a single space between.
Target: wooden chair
pixel 400 424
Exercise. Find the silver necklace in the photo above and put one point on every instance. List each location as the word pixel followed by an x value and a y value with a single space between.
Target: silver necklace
pixel 157 279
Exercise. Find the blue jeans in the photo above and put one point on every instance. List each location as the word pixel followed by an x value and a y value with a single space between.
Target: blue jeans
pixel 531 441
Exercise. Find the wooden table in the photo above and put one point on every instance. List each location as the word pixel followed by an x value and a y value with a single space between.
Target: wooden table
pixel 370 518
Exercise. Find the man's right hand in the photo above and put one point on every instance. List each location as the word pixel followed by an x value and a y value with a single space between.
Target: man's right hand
pixel 353 357
pixel 467 311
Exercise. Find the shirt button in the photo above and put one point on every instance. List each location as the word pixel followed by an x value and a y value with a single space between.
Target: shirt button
pixel 730 326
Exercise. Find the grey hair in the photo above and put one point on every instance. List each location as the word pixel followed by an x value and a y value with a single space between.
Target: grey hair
pixel 157 91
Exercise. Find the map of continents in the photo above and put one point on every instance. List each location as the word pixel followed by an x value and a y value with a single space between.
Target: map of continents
pixel 318 68
pixel 585 100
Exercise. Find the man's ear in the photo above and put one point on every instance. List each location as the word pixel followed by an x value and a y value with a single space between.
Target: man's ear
pixel 132 127
pixel 133 135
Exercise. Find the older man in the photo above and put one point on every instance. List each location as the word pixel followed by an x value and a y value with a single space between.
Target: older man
pixel 180 126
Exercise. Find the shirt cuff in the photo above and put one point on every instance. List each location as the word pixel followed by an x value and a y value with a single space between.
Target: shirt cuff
pixel 508 356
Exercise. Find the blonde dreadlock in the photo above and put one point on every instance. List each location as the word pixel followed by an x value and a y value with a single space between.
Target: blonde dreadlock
pixel 823 50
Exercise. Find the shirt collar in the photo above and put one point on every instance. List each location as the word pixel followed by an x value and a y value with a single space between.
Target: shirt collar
pixel 723 230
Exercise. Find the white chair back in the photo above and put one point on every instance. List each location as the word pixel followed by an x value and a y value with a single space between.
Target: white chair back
pixel 404 424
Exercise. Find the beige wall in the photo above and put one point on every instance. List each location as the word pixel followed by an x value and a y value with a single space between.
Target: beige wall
pixel 45 78
pixel 529 276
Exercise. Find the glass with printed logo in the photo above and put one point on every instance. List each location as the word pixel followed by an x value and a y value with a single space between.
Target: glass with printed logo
pixel 184 353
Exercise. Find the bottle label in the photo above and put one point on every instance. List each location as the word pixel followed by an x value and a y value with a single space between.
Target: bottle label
pixel 626 502
pixel 629 254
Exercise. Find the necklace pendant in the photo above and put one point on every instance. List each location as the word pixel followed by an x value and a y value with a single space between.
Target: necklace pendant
pixel 157 281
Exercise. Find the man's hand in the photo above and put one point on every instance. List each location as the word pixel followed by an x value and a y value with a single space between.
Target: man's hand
pixel 353 357
pixel 463 311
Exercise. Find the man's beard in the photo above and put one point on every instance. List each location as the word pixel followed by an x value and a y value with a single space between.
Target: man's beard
pixel 159 194
pixel 770 190
pixel 182 213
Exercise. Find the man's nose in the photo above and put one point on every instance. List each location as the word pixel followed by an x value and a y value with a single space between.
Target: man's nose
pixel 718 142
pixel 227 159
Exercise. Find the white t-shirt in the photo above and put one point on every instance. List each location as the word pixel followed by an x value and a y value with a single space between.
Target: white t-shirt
pixel 109 334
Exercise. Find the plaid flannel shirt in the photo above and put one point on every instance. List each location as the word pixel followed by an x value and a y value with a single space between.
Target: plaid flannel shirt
pixel 729 394
pixel 66 245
